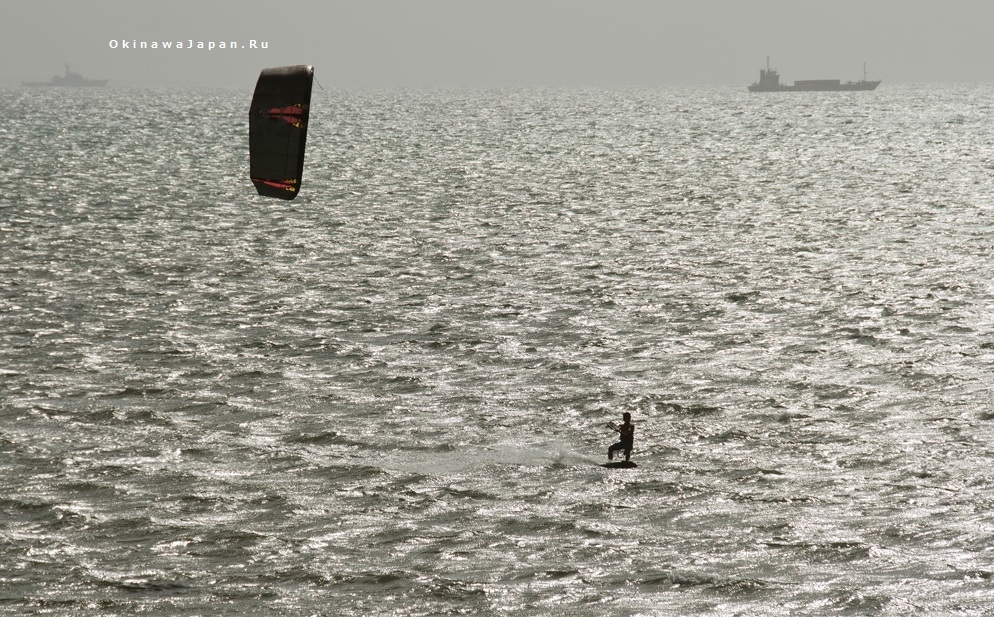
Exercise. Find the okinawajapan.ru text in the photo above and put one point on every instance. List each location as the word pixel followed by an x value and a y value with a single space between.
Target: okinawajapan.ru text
pixel 187 44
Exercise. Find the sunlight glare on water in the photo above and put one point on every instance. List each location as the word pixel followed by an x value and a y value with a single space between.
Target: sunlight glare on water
pixel 389 395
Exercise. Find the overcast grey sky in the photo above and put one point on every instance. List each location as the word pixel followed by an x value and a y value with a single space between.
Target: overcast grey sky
pixel 483 43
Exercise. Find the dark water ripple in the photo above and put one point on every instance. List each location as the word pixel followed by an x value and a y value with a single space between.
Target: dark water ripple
pixel 388 395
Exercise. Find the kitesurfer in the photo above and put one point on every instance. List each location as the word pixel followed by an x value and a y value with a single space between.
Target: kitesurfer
pixel 627 432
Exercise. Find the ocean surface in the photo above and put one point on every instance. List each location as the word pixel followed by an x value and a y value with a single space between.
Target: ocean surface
pixel 390 395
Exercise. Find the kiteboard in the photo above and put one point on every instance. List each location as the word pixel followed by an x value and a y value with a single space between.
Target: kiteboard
pixel 620 465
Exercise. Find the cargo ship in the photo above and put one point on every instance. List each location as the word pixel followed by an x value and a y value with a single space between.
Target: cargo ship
pixel 769 81
pixel 69 80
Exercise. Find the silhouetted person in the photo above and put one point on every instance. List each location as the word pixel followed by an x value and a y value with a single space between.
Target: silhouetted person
pixel 627 431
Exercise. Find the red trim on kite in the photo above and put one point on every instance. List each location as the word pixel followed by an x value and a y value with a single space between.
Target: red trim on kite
pixel 286 185
pixel 292 114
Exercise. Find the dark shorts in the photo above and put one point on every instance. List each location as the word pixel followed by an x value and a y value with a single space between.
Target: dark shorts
pixel 622 445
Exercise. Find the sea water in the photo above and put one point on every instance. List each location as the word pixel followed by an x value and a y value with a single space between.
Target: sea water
pixel 390 395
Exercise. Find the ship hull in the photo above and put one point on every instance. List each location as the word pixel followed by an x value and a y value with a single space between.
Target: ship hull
pixel 92 83
pixel 817 87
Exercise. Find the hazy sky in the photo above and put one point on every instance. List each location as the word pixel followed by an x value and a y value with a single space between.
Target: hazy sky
pixel 480 43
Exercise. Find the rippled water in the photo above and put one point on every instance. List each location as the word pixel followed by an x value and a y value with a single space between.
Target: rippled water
pixel 389 395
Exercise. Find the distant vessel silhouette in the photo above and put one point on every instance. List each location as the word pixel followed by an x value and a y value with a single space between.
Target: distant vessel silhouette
pixel 769 81
pixel 69 80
